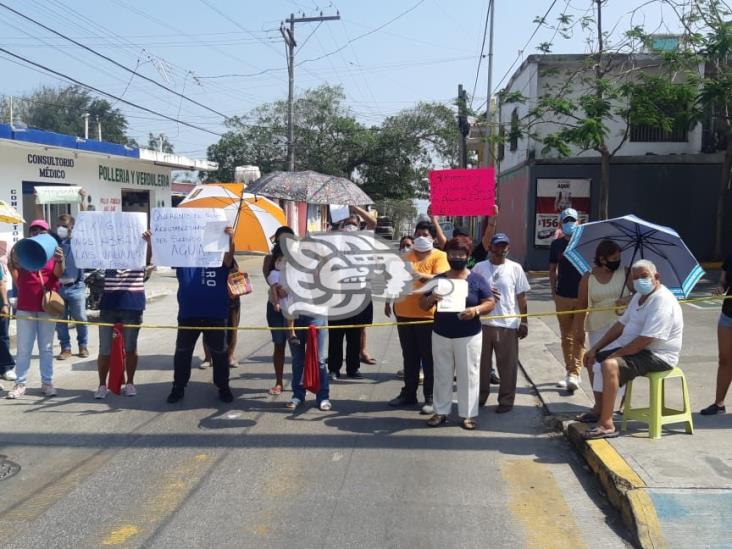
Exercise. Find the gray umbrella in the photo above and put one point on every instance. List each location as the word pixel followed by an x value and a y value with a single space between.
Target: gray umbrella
pixel 311 187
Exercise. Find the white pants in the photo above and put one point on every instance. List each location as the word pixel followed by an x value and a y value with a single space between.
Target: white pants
pixel 459 357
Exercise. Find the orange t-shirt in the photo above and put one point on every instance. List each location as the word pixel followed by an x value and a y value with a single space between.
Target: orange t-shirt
pixel 435 263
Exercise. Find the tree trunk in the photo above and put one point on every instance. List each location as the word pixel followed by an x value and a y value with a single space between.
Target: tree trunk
pixel 604 183
pixel 723 183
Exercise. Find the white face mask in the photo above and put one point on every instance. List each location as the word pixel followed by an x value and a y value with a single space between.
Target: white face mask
pixel 62 232
pixel 423 244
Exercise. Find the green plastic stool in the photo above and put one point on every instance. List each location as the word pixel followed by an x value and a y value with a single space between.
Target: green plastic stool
pixel 657 415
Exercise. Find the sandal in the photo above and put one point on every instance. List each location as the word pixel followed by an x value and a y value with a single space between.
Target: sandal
pixel 294 340
pixel 276 390
pixel 587 417
pixel 436 420
pixel 598 433
pixel 469 424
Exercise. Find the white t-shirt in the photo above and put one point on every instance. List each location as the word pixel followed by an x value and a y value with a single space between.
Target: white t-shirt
pixel 509 280
pixel 273 278
pixel 660 317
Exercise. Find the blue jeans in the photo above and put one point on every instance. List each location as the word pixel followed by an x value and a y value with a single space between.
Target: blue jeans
pixel 298 359
pixel 75 300
pixel 31 325
pixel 6 359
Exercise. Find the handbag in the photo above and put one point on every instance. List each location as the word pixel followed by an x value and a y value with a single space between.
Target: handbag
pixel 238 284
pixel 52 302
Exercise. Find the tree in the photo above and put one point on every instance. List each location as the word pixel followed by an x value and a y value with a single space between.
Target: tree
pixel 159 143
pixel 400 211
pixel 62 110
pixel 613 83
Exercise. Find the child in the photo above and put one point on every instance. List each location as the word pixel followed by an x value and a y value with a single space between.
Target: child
pixel 277 294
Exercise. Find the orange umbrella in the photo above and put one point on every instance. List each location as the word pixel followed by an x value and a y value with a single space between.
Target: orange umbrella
pixel 255 218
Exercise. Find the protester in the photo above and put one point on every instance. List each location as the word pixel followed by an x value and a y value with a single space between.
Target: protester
pixel 32 322
pixel 601 288
pixel 405 244
pixel 416 339
pixel 73 292
pixel 724 341
pixel 275 319
pixel 299 352
pixel 564 280
pixel 456 337
pixel 7 362
pixel 203 302
pixel 647 338
pixel 509 286
pixel 123 302
pixel 278 295
pixel 232 321
pixel 355 337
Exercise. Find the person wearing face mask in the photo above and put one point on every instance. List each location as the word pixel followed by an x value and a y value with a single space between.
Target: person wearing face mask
pixel 456 336
pixel 405 244
pixel 509 285
pixel 416 339
pixel 647 338
pixel 73 291
pixel 564 280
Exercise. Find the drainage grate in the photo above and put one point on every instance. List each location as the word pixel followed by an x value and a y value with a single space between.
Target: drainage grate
pixel 7 468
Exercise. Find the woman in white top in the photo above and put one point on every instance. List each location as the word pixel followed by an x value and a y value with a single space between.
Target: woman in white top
pixel 603 287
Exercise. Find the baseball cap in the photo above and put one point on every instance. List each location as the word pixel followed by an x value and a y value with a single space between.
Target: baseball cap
pixel 569 212
pixel 500 238
pixel 40 223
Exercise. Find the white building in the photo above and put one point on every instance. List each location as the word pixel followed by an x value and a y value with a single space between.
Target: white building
pixel 115 177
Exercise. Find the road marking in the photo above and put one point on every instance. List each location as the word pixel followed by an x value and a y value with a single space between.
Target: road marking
pixel 164 498
pixel 535 498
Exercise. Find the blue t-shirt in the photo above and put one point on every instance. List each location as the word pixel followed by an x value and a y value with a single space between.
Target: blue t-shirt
pixel 71 272
pixel 202 292
pixel 449 325
pixel 124 290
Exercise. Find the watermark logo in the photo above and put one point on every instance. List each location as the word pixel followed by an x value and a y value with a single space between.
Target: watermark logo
pixel 338 274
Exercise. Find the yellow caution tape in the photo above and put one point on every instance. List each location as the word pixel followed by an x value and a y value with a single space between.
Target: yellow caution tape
pixel 346 326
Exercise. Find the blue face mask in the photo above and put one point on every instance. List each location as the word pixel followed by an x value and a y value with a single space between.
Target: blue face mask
pixel 568 228
pixel 643 286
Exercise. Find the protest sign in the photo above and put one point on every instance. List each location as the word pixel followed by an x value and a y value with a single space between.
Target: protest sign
pixel 58 195
pixel 179 236
pixel 339 212
pixel 109 240
pixel 462 192
pixel 214 237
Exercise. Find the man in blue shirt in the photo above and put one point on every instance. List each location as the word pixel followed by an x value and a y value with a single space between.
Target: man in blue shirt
pixel 203 302
pixel 73 291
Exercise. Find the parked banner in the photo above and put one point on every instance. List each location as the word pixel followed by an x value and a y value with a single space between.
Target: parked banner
pixel 463 192
pixel 109 240
pixel 553 196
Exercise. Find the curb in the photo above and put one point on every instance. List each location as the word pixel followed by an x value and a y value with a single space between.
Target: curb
pixel 625 489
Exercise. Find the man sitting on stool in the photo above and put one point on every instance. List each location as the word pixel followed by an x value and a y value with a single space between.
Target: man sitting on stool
pixel 647 338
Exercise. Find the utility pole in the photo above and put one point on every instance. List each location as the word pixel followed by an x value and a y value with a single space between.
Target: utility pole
pixel 488 147
pixel 99 129
pixel 288 33
pixel 463 125
pixel 85 116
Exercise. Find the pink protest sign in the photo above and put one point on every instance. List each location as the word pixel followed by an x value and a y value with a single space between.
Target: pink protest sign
pixel 463 192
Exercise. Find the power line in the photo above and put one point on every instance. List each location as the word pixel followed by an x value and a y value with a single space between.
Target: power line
pixel 482 49
pixel 107 94
pixel 120 65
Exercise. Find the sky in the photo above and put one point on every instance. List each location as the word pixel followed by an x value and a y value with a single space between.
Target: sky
pixel 229 56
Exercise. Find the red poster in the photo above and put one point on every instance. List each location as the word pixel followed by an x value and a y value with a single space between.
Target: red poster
pixel 463 192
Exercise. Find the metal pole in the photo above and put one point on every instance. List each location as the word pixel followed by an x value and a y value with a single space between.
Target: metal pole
pixel 488 148
pixel 86 125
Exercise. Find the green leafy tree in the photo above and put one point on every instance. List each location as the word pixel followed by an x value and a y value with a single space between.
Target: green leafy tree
pixel 62 110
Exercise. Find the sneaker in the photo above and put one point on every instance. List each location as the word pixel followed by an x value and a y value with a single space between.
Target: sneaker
pixel 402 401
pixel 495 380
pixel 83 352
pixel 10 375
pixel 101 393
pixel 325 405
pixel 713 410
pixel 428 408
pixel 334 376
pixel 18 390
pixel 355 375
pixel 573 383
pixel 129 390
pixel 48 390
pixel 64 355
pixel 203 365
pixel 562 383
pixel 225 395
pixel 400 374
pixel 294 403
pixel 175 395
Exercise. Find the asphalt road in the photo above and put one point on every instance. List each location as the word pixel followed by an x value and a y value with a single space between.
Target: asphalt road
pixel 137 472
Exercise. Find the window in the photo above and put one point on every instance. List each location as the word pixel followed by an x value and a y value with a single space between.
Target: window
pixel 644 133
pixel 514 129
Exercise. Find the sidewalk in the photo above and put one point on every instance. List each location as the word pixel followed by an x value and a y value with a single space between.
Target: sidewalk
pixel 672 492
